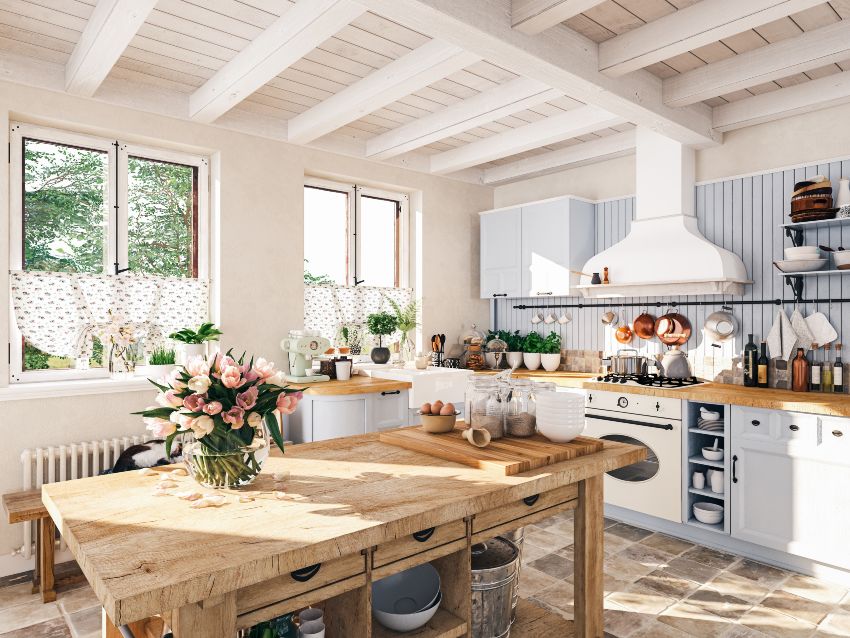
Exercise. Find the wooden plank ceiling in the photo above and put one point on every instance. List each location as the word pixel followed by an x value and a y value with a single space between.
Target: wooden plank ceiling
pixel 184 43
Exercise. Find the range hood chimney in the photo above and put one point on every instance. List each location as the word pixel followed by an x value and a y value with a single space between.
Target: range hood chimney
pixel 664 253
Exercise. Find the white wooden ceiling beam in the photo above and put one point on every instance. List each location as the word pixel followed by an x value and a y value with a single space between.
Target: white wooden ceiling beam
pixel 703 23
pixel 303 27
pixel 108 32
pixel 580 121
pixel 425 65
pixel 559 58
pixel 793 100
pixel 801 53
pixel 534 16
pixel 604 148
pixel 483 108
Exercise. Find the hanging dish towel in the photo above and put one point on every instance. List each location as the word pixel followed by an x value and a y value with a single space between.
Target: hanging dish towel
pixel 822 331
pixel 781 339
pixel 805 339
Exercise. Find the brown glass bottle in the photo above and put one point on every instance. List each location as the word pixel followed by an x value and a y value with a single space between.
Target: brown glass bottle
pixel 800 372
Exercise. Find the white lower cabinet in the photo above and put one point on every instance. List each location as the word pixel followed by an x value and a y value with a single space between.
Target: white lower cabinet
pixel 319 418
pixel 791 483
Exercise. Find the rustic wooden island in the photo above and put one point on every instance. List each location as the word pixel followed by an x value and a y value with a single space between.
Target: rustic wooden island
pixel 355 510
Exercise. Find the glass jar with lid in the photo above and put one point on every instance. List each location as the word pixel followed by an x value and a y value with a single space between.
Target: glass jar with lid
pixel 473 349
pixel 520 413
pixel 495 354
pixel 485 407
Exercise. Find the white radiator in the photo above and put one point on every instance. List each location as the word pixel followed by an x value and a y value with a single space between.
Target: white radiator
pixel 66 462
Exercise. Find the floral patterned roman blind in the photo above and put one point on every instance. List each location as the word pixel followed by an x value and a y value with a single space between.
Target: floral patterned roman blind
pixel 327 307
pixel 60 313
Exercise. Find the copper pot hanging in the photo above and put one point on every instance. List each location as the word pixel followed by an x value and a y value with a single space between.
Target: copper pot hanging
pixel 673 329
pixel 644 326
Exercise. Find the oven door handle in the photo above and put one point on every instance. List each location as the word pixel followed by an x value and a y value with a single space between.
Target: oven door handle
pixel 615 419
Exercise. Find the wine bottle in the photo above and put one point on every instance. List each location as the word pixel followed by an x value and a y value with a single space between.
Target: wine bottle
pixel 826 371
pixel 800 372
pixel 750 363
pixel 838 370
pixel 763 367
pixel 816 369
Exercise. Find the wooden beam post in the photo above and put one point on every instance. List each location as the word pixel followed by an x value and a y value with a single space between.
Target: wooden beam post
pixel 198 620
pixel 589 556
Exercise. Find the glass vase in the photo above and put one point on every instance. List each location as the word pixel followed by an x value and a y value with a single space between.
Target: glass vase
pixel 407 351
pixel 234 466
pixel 122 361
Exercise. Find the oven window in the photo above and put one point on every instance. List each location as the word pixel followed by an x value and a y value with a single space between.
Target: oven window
pixel 642 471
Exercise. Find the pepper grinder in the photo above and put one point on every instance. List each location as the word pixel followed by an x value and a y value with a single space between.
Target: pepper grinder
pixel 605 275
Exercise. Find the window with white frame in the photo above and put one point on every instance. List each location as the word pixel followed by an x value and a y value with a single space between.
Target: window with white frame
pixel 354 235
pixel 85 206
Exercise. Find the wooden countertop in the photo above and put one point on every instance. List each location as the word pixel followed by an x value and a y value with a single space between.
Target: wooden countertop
pixel 356 385
pixel 144 554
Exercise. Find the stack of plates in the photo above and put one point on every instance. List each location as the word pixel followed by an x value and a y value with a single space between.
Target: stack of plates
pixel 710 426
pixel 812 200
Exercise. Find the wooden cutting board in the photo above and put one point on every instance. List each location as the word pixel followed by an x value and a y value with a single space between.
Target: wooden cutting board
pixel 506 456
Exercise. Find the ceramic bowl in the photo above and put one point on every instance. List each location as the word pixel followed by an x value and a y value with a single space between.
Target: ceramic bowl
pixel 559 431
pixel 711 454
pixel 408 622
pixel 438 423
pixel 709 513
pixel 709 415
pixel 802 252
pixel 407 592
pixel 801 265
pixel 842 259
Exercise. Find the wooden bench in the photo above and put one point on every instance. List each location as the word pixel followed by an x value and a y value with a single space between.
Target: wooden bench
pixel 25 507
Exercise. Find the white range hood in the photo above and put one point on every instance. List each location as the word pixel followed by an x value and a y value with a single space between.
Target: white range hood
pixel 664 253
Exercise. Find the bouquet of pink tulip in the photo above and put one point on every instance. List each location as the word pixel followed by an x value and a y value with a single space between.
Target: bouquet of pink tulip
pixel 229 408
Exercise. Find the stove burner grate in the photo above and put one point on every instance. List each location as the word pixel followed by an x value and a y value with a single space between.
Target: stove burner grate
pixel 652 380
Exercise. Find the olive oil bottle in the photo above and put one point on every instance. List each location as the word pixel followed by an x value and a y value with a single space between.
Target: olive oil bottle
pixel 826 372
pixel 762 376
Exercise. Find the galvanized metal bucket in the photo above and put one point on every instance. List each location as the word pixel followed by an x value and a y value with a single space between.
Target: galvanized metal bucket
pixel 494 579
pixel 517 537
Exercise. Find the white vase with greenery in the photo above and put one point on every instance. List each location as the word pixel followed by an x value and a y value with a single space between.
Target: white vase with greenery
pixel 193 343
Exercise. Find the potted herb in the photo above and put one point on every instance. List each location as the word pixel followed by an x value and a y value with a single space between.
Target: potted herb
pixel 160 363
pixel 515 343
pixel 193 343
pixel 532 346
pixel 381 324
pixel 550 355
pixel 406 321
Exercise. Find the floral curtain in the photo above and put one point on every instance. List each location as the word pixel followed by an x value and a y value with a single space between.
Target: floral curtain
pixel 61 313
pixel 328 307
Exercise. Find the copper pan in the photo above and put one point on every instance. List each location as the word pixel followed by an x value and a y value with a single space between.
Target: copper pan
pixel 644 326
pixel 673 329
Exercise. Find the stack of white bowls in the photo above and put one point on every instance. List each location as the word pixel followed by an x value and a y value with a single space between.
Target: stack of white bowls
pixel 560 415
pixel 802 259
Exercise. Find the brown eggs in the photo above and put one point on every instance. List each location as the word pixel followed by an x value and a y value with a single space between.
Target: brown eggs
pixel 425 408
pixel 436 407
pixel 448 409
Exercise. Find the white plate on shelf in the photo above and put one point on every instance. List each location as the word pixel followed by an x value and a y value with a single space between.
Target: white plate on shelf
pixel 800 265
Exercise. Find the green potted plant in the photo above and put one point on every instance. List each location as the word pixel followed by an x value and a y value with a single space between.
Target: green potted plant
pixel 406 319
pixel 381 324
pixel 160 363
pixel 550 353
pixel 515 343
pixel 532 346
pixel 193 343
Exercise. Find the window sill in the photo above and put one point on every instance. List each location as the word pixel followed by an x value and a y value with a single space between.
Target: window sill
pixel 79 387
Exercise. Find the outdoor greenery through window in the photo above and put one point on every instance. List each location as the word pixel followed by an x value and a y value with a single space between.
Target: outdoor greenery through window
pixel 353 235
pixel 91 205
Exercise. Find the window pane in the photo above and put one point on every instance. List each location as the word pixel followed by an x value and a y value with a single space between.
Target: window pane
pixel 65 207
pixel 378 242
pixel 162 201
pixel 325 236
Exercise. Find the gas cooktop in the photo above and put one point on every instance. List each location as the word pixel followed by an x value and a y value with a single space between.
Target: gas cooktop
pixel 649 380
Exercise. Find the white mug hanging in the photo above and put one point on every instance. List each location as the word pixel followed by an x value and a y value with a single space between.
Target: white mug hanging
pixel 536 318
pixel 565 318
pixel 550 318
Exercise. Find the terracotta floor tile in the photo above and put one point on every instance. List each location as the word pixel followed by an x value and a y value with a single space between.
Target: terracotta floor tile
pixel 776 624
pixel 836 624
pixel 647 556
pixel 696 572
pixel 669 544
pixel 76 599
pixel 55 628
pixel 800 608
pixel 17 595
pixel 86 622
pixel 738 586
pixel 641 600
pixel 760 573
pixel 554 565
pixel 814 589
pixel 624 568
pixel 29 613
pixel 622 623
pixel 628 532
pixel 710 557
pixel 560 595
pixel 668 583
pixel 694 621
pixel 719 604
pixel 547 540
pixel 614 544
pixel 656 629
pixel 532 581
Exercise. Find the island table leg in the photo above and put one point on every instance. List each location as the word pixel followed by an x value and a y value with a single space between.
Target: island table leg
pixel 212 618
pixel 589 558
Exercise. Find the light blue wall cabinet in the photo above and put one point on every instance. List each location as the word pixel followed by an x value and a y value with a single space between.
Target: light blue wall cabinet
pixel 529 251
pixel 501 258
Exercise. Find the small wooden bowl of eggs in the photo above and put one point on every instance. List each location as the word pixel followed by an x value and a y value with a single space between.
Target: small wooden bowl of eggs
pixel 438 417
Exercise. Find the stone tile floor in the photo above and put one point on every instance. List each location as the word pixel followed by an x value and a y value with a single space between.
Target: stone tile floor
pixel 656 586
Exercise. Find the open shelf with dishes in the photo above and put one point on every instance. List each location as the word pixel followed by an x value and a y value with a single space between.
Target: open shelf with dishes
pixel 706 425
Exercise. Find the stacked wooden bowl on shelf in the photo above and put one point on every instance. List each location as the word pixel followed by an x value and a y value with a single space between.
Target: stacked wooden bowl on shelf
pixel 812 200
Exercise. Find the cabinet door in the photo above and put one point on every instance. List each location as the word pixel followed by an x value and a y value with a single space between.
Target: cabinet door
pixel 546 249
pixel 334 417
pixel 501 263
pixel 386 410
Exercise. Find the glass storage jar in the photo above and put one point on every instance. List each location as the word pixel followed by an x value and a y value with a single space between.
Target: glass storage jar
pixel 486 409
pixel 520 415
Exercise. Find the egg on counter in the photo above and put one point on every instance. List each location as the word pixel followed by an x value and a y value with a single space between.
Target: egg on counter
pixel 448 409
pixel 436 407
pixel 425 408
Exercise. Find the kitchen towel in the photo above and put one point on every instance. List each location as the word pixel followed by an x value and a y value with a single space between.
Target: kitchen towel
pixel 822 331
pixel 781 339
pixel 805 339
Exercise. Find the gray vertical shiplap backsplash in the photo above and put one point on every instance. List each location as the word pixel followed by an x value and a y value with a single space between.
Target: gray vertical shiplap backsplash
pixel 742 215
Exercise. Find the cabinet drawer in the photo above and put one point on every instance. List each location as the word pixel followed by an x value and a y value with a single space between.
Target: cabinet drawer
pixel 799 428
pixel 298 582
pixel 418 542
pixel 523 507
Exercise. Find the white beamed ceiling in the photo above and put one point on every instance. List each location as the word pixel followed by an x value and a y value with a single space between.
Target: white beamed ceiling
pixel 181 47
